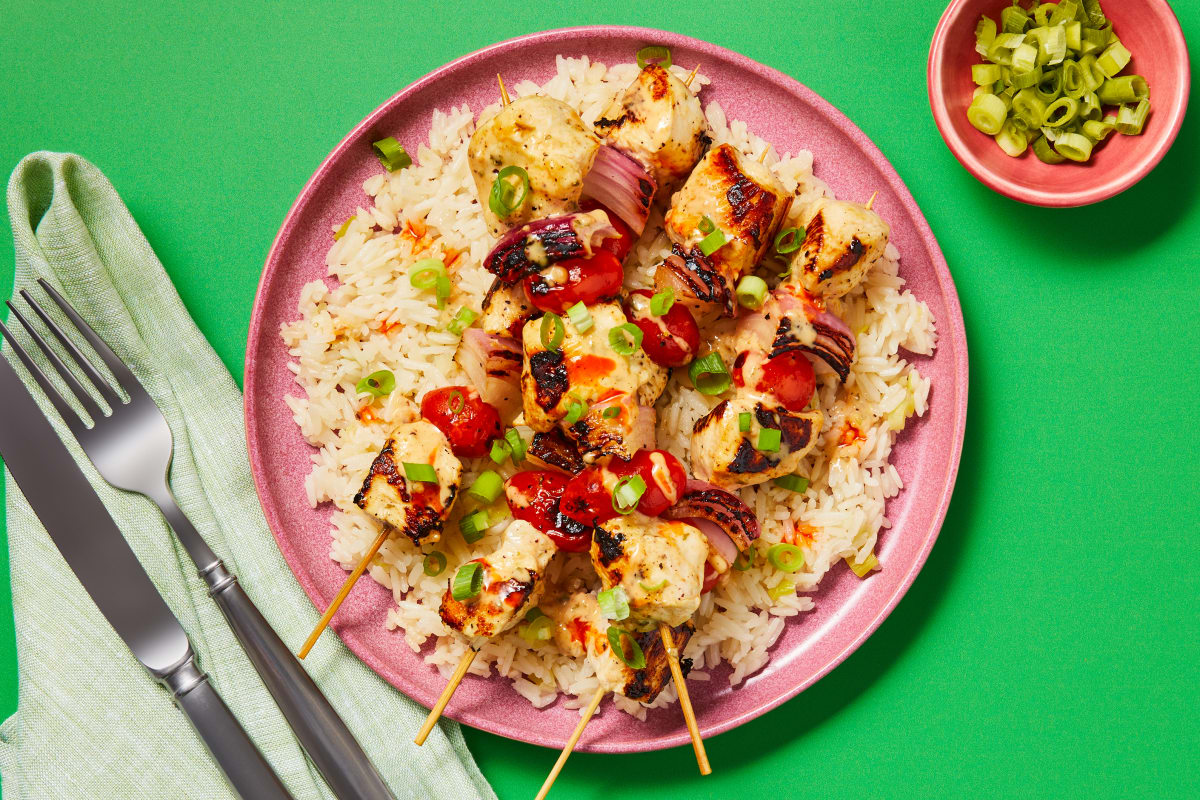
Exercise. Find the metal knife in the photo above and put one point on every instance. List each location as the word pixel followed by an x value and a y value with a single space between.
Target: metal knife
pixel 96 551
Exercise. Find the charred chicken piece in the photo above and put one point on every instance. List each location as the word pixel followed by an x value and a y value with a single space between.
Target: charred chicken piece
pixel 727 457
pixel 416 509
pixel 842 241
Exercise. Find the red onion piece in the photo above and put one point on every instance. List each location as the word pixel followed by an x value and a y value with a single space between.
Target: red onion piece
pixel 716 536
pixel 557 238
pixel 493 363
pixel 620 183
pixel 833 341
pixel 724 509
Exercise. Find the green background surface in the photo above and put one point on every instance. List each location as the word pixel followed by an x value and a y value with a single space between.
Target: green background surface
pixel 1050 646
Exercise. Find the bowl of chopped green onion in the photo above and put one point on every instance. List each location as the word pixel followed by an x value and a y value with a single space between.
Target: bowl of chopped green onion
pixel 1059 104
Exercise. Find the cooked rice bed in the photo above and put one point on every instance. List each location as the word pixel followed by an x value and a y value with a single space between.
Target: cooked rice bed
pixel 368 317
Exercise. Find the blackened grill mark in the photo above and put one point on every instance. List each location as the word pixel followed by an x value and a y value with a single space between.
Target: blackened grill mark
pixel 814 239
pixel 832 346
pixel 660 86
pixel 645 193
pixel 549 371
pixel 645 684
pixel 703 280
pixel 557 237
pixel 748 460
pixel 609 545
pixel 557 450
pixel 794 429
pixel 727 510
pixel 599 439
pixel 384 465
pixel 420 522
pixel 752 206
pixel 849 258
pixel 710 417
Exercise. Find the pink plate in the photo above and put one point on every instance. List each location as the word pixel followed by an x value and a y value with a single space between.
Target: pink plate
pixel 1150 31
pixel 848 610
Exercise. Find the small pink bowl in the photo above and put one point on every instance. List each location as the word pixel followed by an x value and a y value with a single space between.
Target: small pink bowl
pixel 1150 31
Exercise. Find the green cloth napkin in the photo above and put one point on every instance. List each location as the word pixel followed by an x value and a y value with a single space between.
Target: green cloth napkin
pixel 90 722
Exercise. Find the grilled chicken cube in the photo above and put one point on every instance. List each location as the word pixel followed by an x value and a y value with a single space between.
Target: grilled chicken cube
pixel 511 585
pixel 506 309
pixel 582 630
pixel 547 139
pixel 585 370
pixel 658 562
pixel 743 199
pixel 414 508
pixel 727 457
pixel 842 241
pixel 659 122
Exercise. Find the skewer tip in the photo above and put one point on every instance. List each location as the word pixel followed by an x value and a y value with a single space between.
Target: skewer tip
pixel 871 202
pixel 504 98
pixel 762 158
pixel 435 713
pixel 336 603
pixel 570 745
pixel 685 701
pixel 691 77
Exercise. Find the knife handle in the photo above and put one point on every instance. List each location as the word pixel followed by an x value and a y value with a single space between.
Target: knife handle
pixel 320 730
pixel 248 772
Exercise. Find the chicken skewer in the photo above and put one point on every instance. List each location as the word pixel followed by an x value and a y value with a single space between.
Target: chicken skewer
pixel 417 506
pixel 509 584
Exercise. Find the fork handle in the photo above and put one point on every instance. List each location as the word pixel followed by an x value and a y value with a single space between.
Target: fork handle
pixel 248 772
pixel 320 730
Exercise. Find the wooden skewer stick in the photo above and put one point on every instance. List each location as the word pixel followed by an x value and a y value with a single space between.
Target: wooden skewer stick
pixel 435 713
pixel 685 702
pixel 504 98
pixel 762 158
pixel 691 77
pixel 871 202
pixel 570 745
pixel 351 579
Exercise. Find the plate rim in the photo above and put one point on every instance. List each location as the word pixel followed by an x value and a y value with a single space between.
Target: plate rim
pixel 951 331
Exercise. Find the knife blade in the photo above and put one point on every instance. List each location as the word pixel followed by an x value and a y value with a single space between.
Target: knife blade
pixel 96 551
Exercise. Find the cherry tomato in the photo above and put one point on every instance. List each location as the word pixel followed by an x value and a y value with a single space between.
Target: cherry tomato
pixel 618 245
pixel 534 497
pixel 711 577
pixel 587 498
pixel 670 340
pixel 588 280
pixel 461 414
pixel 789 376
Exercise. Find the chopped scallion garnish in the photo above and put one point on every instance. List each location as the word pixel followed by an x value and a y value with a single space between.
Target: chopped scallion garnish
pixel 340 232
pixel 788 241
pixel 769 440
pixel 614 603
pixel 487 487
pixel 552 331
pixel 575 412
pixel 655 54
pixel 751 292
pixel 863 568
pixel 462 320
pixel 627 493
pixel 744 420
pixel 474 525
pixel 653 587
pixel 434 563
pixel 745 560
pixel 391 154
pixel 713 242
pixel 580 317
pixel 611 412
pixel 793 483
pixel 781 589
pixel 378 384
pixel 709 374
pixel 468 581
pixel 422 473
pixel 516 445
pixel 507 197
pixel 620 640
pixel 536 628
pixel 785 557
pixel 625 339
pixel 500 451
pixel 662 301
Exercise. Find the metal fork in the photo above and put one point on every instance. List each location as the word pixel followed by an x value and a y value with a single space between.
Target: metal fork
pixel 131 446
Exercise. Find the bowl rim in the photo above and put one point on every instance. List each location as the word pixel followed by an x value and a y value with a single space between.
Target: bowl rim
pixel 1175 112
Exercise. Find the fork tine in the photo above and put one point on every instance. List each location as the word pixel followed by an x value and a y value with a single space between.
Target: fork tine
pixel 110 394
pixel 65 411
pixel 64 372
pixel 124 376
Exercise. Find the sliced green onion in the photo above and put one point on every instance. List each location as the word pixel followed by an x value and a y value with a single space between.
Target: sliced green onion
pixel 618 640
pixel 340 232
pixel 1125 89
pixel 1003 46
pixel 1093 15
pixel 434 563
pixel 1012 141
pixel 1095 40
pixel 462 320
pixel 378 384
pixel 985 74
pixel 391 154
pixel 422 473
pixel 713 242
pixel 788 240
pixel 768 440
pixel 780 589
pixel 785 557
pixel 655 54
pixel 1130 121
pixel 744 561
pixel 430 273
pixel 653 587
pixel 1060 112
pixel 987 113
pixel 1014 20
pixel 1092 76
pixel 614 603
pixel 580 317
pixel 1074 146
pixel 709 374
pixel 1089 107
pixel 1113 60
pixel 1024 61
pixel 706 225
pixel 516 445
pixel 744 420
pixel 506 198
pixel 985 34
pixel 793 483
pixel 575 412
pixel 1074 31
pixel 457 402
pixel 1049 88
pixel 627 493
pixel 1097 130
pixel 1052 46
pixel 751 292
pixel 1075 80
pixel 1045 152
pixel 611 412
pixel 474 526
pixel 487 487
pixel 863 568
pixel 662 301
pixel 468 581
pixel 625 339
pixel 1029 108
pixel 552 330
pixel 536 629
pixel 500 451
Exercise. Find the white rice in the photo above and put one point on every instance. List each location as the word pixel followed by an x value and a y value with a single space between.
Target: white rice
pixel 368 317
